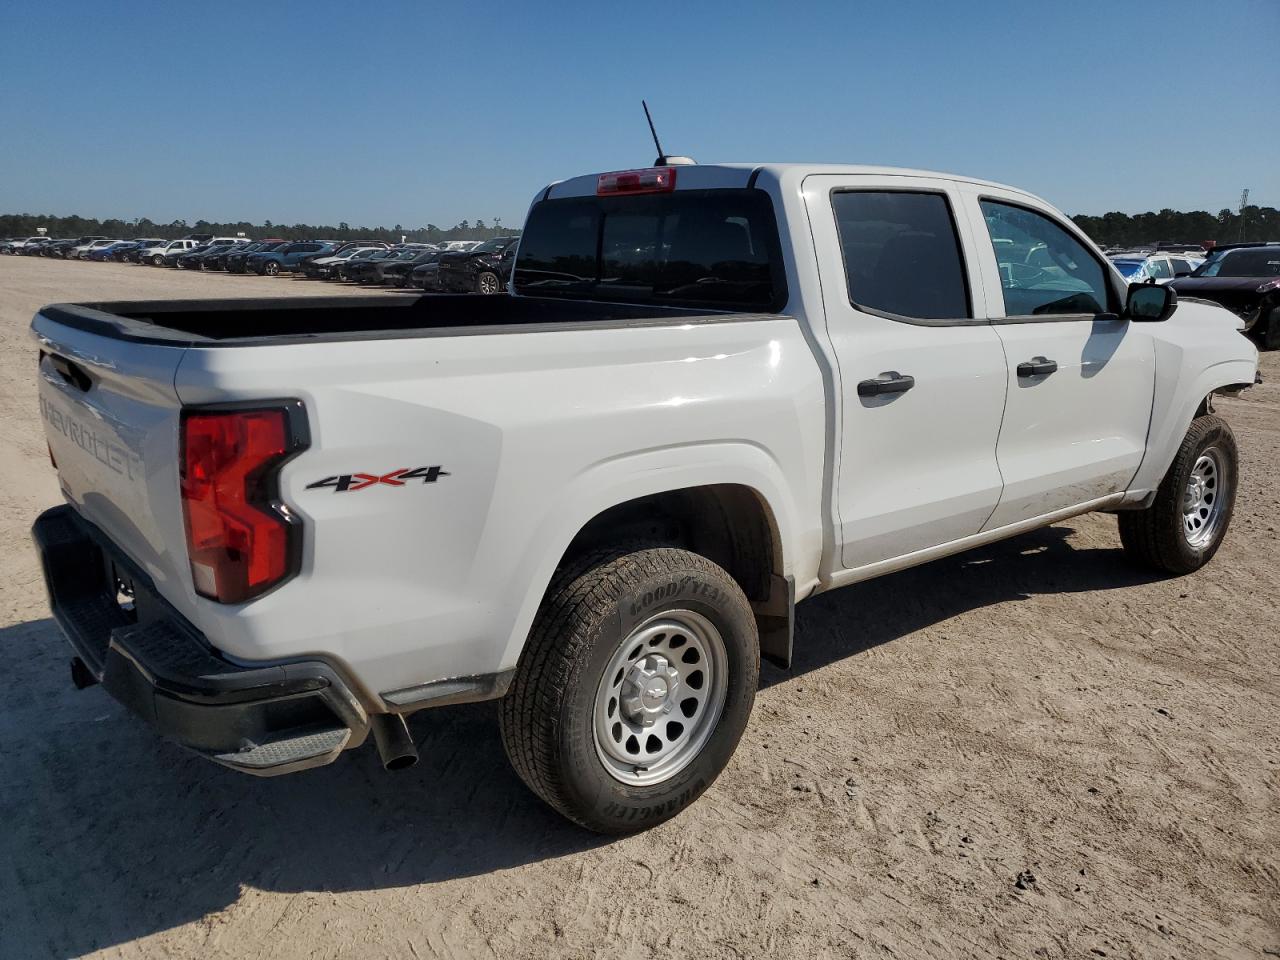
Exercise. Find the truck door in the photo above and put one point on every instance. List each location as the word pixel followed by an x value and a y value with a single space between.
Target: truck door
pixel 921 379
pixel 1081 380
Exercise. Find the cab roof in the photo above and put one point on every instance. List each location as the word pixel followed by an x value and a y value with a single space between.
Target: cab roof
pixel 711 176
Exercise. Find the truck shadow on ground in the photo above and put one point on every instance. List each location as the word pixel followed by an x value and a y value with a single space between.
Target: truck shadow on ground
pixel 846 622
pixel 112 834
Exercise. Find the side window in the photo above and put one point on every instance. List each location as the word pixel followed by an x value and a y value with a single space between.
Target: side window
pixel 1180 266
pixel 902 254
pixel 1044 270
pixel 1158 267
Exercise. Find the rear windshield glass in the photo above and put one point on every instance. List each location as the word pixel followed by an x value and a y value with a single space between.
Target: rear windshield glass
pixel 712 248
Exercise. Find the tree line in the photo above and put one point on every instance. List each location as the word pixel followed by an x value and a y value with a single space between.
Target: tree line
pixel 1122 229
pixel 27 224
pixel 1111 229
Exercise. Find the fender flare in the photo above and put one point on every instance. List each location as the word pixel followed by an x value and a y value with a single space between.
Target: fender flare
pixel 1166 434
pixel 618 480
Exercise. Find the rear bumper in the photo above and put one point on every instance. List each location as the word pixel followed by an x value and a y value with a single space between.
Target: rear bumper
pixel 263 719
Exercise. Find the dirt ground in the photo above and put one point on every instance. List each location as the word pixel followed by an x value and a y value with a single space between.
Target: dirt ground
pixel 1034 750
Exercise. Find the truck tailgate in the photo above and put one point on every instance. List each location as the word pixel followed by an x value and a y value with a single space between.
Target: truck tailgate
pixel 111 416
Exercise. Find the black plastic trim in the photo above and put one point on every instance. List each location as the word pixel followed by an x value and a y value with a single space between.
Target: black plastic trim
pixel 164 670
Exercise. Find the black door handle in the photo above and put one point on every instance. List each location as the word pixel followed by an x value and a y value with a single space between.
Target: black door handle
pixel 891 382
pixel 1037 367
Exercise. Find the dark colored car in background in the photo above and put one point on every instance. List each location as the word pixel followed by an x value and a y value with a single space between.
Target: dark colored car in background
pixel 397 273
pixel 482 269
pixel 177 258
pixel 217 257
pixel 36 248
pixel 369 269
pixel 58 249
pixel 286 257
pixel 234 259
pixel 108 253
pixel 1245 280
pixel 338 268
pixel 133 252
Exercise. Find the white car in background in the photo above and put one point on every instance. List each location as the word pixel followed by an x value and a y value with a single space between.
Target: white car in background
pixel 80 252
pixel 15 246
pixel 1140 267
pixel 155 255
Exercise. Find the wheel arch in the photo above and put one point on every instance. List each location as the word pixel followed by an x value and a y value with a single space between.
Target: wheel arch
pixel 1166 434
pixel 741 519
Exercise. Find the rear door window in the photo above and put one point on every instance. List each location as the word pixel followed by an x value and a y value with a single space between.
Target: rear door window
pixel 902 254
pixel 713 248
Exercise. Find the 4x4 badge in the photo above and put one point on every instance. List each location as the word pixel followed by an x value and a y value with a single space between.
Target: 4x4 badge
pixel 396 478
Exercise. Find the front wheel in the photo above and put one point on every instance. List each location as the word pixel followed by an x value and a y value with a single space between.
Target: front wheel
pixel 271 268
pixel 634 687
pixel 487 282
pixel 1187 522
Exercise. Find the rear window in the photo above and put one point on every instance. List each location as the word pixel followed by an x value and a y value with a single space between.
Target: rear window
pixel 902 254
pixel 699 248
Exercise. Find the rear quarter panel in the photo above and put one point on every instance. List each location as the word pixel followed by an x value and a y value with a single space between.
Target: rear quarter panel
pixel 537 432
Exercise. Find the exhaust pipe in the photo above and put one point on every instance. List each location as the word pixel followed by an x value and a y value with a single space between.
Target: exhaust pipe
pixel 81 675
pixel 395 746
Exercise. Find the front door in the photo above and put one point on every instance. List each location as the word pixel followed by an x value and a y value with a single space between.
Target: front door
pixel 1080 379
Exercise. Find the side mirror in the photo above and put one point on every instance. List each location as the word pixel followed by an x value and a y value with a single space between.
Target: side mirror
pixel 1150 303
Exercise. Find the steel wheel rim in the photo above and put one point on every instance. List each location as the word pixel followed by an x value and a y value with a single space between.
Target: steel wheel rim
pixel 660 698
pixel 1204 499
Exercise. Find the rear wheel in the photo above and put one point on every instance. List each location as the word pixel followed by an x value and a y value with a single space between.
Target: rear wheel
pixel 1187 522
pixel 487 282
pixel 634 687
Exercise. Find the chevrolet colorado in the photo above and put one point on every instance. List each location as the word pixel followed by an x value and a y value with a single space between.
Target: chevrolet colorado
pixel 713 392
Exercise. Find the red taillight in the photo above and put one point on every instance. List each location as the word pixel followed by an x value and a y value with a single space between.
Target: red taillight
pixel 239 541
pixel 651 180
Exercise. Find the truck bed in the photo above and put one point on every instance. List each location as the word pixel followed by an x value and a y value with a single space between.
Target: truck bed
pixel 311 319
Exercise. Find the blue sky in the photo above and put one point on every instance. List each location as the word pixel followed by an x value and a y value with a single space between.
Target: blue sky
pixel 397 111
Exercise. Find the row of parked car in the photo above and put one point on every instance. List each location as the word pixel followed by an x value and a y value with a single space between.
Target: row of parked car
pixel 459 266
pixel 1243 277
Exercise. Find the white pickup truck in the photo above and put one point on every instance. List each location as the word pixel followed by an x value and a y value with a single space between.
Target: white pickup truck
pixel 714 391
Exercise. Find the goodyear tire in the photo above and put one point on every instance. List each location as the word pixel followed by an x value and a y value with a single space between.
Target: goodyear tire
pixel 634 687
pixel 1187 522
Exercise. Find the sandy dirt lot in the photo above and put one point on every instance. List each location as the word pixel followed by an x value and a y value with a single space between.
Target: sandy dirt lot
pixel 1035 750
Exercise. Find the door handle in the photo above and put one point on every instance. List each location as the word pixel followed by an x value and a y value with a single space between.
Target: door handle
pixel 891 382
pixel 1037 367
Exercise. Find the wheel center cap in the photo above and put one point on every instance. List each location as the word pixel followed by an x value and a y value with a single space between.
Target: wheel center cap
pixel 649 690
pixel 1195 492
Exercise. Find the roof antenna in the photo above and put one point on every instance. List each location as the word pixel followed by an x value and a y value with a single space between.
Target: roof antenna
pixel 663 160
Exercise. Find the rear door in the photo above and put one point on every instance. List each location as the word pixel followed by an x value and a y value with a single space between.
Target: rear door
pixel 922 375
pixel 111 417
pixel 1080 379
